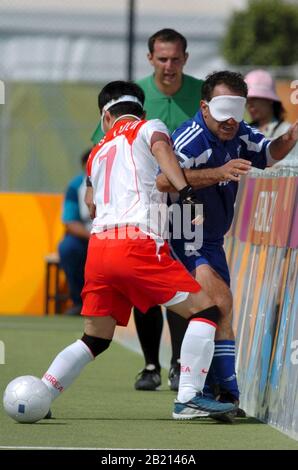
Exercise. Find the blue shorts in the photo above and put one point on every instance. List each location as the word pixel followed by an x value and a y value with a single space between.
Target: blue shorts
pixel 210 253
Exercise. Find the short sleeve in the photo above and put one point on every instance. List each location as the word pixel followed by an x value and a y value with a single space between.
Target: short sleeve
pixel 152 126
pixel 254 145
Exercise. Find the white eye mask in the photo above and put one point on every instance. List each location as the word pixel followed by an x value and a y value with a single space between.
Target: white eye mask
pixel 225 107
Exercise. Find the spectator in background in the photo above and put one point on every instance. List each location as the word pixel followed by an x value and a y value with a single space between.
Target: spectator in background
pixel 172 97
pixel 264 106
pixel 73 247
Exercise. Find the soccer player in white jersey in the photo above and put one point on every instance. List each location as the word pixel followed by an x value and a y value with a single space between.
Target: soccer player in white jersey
pixel 128 261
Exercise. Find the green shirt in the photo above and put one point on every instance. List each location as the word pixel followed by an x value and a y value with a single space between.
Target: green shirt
pixel 172 110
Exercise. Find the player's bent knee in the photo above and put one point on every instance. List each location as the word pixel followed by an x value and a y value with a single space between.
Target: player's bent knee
pixel 225 303
pixel 96 345
pixel 211 314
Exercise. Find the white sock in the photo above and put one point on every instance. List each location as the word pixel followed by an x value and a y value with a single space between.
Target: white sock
pixel 66 367
pixel 196 356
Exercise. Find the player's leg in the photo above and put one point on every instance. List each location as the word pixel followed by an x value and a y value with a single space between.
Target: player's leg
pixel 162 280
pixel 103 308
pixel 149 329
pixel 69 363
pixel 223 364
pixel 196 356
pixel 198 344
pixel 177 327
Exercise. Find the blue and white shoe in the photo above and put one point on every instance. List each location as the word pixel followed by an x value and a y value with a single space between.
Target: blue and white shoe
pixel 199 407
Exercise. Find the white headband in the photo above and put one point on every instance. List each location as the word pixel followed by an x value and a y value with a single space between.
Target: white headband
pixel 132 99
pixel 225 107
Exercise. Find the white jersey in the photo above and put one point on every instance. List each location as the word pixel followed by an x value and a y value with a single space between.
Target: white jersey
pixel 123 174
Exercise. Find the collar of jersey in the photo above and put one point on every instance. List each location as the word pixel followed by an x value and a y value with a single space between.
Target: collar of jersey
pixel 160 94
pixel 200 120
pixel 121 122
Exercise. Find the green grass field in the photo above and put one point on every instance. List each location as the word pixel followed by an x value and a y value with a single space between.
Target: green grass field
pixel 102 409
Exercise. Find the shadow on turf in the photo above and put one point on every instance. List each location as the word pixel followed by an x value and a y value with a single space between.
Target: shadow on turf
pixel 47 423
pixel 205 421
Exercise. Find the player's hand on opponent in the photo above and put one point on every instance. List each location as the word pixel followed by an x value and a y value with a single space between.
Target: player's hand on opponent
pixel 188 196
pixel 234 169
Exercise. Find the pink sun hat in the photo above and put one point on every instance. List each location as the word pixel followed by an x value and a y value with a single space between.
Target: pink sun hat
pixel 261 85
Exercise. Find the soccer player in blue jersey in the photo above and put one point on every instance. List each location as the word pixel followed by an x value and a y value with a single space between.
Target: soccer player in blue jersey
pixel 216 148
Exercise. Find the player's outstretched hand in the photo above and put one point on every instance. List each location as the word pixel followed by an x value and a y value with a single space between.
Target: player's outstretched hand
pixel 188 196
pixel 292 133
pixel 234 169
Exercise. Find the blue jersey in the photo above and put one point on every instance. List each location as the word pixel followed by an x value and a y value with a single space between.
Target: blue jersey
pixel 196 147
pixel 74 207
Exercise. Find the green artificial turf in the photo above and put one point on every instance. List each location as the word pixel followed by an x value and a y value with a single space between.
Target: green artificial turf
pixel 102 409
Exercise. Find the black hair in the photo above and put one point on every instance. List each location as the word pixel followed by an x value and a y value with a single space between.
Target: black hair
pixel 233 80
pixel 114 90
pixel 167 35
pixel 85 156
pixel 279 113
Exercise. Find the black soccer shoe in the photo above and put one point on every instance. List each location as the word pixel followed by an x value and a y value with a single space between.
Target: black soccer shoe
pixel 226 397
pixel 174 376
pixel 148 379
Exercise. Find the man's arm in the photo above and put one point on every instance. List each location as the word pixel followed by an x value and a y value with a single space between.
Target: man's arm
pixel 77 229
pixel 163 152
pixel 201 178
pixel 280 147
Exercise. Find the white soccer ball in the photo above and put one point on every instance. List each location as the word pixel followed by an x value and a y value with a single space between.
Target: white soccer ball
pixel 26 399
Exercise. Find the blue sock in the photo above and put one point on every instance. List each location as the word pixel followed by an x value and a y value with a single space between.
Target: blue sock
pixel 224 366
pixel 211 382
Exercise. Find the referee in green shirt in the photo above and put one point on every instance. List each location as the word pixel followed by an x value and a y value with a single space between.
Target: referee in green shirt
pixel 173 97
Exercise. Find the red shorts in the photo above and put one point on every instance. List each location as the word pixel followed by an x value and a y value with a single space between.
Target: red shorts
pixel 124 272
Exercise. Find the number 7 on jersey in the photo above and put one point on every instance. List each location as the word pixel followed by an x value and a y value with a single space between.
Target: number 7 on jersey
pixel 110 156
